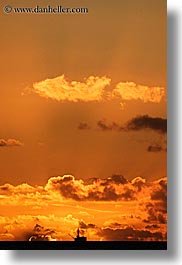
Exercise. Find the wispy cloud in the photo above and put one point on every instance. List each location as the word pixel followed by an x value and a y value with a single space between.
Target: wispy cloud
pixel 83 126
pixel 104 126
pixel 10 143
pixel 156 148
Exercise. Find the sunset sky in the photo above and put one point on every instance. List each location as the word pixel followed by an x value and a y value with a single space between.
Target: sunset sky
pixel 83 121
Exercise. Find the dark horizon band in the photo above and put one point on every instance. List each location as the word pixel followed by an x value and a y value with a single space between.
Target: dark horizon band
pixel 89 245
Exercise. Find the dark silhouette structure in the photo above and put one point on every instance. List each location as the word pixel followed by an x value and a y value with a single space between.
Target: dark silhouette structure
pixel 78 238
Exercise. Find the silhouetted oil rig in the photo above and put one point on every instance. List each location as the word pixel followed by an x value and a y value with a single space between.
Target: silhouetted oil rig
pixel 79 238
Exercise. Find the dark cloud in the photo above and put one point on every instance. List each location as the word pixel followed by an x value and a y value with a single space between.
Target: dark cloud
pixel 40 233
pixel 139 183
pixel 83 225
pixel 157 207
pixel 114 225
pixel 154 148
pixel 159 195
pixel 117 179
pixel 128 234
pixel 83 126
pixel 141 122
pixel 113 188
pixel 161 192
pixel 160 147
pixel 108 194
pixel 128 195
pixel 67 186
pixel 10 143
pixel 152 227
pixel 38 228
pixel 102 124
pixel 5 189
pixel 156 214
pixel 146 122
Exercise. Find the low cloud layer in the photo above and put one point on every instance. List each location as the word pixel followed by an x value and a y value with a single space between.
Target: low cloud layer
pixel 10 143
pixel 114 188
pixel 65 228
pixel 113 208
pixel 129 234
pixel 131 91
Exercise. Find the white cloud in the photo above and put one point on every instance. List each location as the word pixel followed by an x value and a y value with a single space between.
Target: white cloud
pixel 131 91
pixel 60 89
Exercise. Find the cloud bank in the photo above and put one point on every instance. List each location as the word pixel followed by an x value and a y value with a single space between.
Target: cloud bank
pixel 128 234
pixel 110 189
pixel 113 208
pixel 114 188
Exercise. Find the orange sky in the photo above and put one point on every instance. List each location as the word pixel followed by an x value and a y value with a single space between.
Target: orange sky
pixel 83 95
